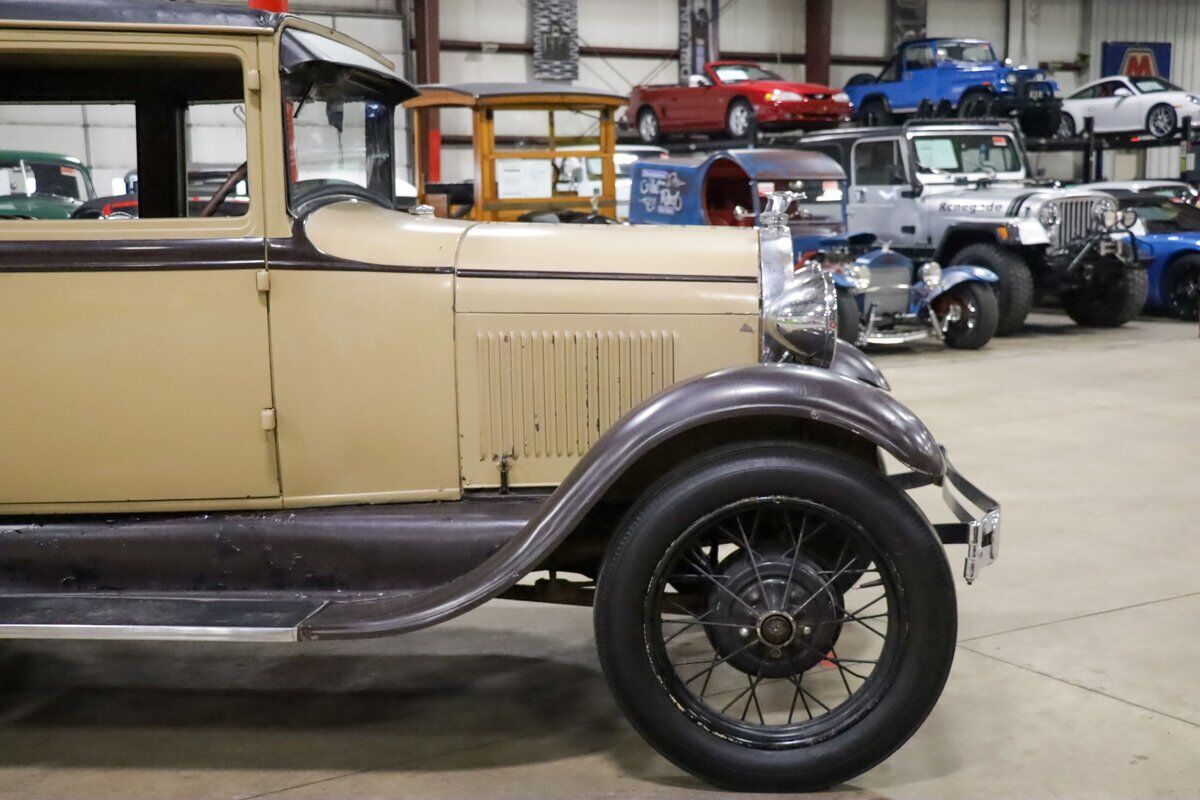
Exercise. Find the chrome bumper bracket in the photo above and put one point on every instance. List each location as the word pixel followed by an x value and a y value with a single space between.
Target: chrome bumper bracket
pixel 981 534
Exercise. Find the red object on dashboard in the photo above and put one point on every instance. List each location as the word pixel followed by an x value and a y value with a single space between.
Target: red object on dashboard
pixel 718 102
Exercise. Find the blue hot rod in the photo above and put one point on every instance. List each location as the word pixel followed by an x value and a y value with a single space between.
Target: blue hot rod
pixel 883 297
pixel 956 77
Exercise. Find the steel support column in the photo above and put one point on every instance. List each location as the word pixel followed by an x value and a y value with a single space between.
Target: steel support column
pixel 428 50
pixel 818 34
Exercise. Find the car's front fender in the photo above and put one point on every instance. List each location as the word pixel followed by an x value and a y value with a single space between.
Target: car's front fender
pixel 953 276
pixel 775 391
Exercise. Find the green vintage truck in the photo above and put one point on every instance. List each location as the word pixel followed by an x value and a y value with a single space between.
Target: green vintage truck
pixel 42 185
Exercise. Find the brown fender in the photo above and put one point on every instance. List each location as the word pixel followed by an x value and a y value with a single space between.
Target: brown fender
pixel 772 390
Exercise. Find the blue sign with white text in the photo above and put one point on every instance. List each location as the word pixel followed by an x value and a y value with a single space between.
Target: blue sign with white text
pixel 1136 59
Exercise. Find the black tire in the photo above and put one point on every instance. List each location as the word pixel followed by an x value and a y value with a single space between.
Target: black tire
pixel 649 128
pixel 873 113
pixel 978 314
pixel 1110 304
pixel 1161 121
pixel 1066 126
pixel 740 120
pixel 975 104
pixel 910 562
pixel 862 79
pixel 1042 123
pixel 848 316
pixel 1014 292
pixel 1181 288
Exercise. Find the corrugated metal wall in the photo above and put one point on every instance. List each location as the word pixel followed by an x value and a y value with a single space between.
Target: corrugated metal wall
pixel 1174 21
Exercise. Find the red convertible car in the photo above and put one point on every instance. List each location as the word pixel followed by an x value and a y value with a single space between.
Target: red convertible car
pixel 730 97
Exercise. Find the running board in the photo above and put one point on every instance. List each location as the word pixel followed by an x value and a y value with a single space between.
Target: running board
pixel 205 619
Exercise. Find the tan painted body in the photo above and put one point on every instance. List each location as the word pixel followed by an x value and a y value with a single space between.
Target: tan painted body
pixel 449 352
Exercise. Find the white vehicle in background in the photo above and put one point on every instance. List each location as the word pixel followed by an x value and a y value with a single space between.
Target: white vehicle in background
pixel 1120 104
pixel 1172 190
pixel 583 175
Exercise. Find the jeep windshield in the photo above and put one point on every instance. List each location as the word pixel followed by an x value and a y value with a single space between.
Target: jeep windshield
pixel 966 52
pixel 339 122
pixel 950 158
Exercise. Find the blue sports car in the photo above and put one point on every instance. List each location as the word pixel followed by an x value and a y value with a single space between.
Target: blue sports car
pixel 1171 248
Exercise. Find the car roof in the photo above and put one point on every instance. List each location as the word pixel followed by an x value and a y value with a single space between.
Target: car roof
pixel 838 134
pixel 36 155
pixel 137 13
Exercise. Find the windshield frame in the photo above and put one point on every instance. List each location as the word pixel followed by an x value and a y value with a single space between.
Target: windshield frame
pixel 941 43
pixel 767 74
pixel 928 178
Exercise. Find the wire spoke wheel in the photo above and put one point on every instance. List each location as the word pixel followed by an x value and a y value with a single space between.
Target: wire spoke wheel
pixel 772 622
pixel 1161 121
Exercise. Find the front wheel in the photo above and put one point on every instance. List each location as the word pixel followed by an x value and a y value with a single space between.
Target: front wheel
pixel 1014 291
pixel 974 105
pixel 848 316
pixel 1110 303
pixel 773 617
pixel 969 314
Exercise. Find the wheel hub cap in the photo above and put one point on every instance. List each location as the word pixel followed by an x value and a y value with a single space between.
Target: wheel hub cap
pixel 774 621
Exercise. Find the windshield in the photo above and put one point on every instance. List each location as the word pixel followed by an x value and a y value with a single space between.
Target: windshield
pixel 1151 85
pixel 966 52
pixel 33 178
pixel 1167 216
pixel 740 73
pixel 965 154
pixel 339 139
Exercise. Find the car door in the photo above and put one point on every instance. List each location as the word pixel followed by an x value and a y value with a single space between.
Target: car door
pixel 134 351
pixel 879 179
pixel 919 79
pixel 1106 106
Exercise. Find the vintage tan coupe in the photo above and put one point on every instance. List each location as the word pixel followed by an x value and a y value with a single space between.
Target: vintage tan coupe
pixel 327 419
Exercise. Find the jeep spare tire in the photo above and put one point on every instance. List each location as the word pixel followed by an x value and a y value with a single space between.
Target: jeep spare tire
pixel 862 79
pixel 1043 121
pixel 1014 292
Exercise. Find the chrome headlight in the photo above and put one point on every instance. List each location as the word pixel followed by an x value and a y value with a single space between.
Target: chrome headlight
pixel 799 306
pixel 1011 79
pixel 1105 212
pixel 931 274
pixel 1193 99
pixel 841 97
pixel 1048 215
pixel 784 96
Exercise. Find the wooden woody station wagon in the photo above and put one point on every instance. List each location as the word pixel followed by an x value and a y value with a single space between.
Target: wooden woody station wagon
pixel 323 418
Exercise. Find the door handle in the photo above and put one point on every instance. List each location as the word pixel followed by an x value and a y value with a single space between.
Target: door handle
pixel 860 194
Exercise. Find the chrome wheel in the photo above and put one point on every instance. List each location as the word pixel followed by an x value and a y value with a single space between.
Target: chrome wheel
pixel 738 121
pixel 648 126
pixel 1160 122
pixel 771 622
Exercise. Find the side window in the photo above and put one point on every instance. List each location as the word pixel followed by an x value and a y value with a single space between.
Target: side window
pixel 878 163
pixel 1085 94
pixel 891 72
pixel 121 136
pixel 918 57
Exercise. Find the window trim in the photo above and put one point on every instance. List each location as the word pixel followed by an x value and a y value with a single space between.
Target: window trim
pixel 241 47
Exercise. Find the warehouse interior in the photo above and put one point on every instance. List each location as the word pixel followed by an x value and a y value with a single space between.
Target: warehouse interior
pixel 1074 657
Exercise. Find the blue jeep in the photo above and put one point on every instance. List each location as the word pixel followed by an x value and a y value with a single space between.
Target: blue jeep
pixel 956 77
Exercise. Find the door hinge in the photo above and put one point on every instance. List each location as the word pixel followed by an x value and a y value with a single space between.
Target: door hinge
pixel 254 80
pixel 268 419
pixel 263 278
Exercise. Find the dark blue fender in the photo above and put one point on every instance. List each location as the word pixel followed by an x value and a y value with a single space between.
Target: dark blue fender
pixel 953 276
pixel 780 391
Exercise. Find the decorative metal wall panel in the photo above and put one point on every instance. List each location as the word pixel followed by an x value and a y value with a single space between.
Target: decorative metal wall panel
pixel 555 26
pixel 699 42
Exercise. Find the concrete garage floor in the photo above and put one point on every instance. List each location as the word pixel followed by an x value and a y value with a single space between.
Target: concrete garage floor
pixel 1076 674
